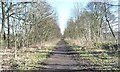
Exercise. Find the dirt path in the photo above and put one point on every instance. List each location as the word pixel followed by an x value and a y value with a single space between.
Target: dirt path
pixel 63 58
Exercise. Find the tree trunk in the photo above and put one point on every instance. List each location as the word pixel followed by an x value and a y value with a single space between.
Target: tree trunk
pixel 8 46
pixel 109 23
pixel 8 39
pixel 3 24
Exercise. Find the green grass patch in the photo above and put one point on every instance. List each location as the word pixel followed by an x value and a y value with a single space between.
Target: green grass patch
pixel 100 58
pixel 32 61
pixel 28 60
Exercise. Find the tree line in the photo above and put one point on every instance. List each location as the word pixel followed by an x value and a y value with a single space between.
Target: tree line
pixel 27 23
pixel 93 24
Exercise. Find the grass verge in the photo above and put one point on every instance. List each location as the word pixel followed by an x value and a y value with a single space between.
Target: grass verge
pixel 97 56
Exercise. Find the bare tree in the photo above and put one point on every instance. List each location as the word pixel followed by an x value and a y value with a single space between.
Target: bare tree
pixel 3 23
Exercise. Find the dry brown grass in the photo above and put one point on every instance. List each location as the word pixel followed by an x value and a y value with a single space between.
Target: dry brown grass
pixel 25 55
